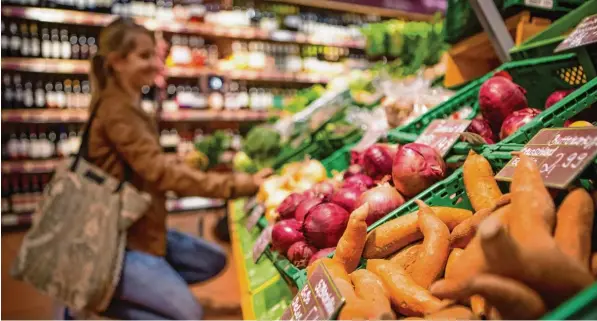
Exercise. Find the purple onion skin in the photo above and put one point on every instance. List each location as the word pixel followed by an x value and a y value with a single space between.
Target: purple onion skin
pixel 300 254
pixel 556 96
pixel 284 234
pixel 348 197
pixel 289 205
pixel 324 225
pixel 359 179
pixel 305 206
pixel 482 128
pixel 518 119
pixel 382 200
pixel 498 98
pixel 321 253
pixel 377 161
pixel 416 167
pixel 353 169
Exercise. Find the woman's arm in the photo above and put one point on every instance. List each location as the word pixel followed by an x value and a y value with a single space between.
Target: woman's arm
pixel 127 130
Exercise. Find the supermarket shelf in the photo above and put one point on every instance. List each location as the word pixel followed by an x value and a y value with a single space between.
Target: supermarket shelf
pixel 79 116
pixel 65 66
pixel 359 8
pixel 16 220
pixel 193 204
pixel 101 19
pixel 30 166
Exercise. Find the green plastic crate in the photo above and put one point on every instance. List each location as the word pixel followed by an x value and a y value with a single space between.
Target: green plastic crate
pixel 544 43
pixel 539 76
pixel 271 302
pixel 583 306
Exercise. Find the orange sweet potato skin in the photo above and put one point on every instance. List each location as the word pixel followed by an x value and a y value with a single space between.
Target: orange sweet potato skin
pixel 407 297
pixel 479 183
pixel 436 246
pixel 407 256
pixel 455 254
pixel 336 269
pixel 351 244
pixel 456 312
pixel 575 226
pixel 401 231
pixel 370 288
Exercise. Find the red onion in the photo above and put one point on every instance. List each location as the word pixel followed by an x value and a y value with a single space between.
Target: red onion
pixel 289 205
pixel 359 180
pixel 498 98
pixel 325 189
pixel 481 127
pixel 356 158
pixel 353 169
pixel 377 160
pixel 324 225
pixel 416 167
pixel 284 234
pixel 382 200
pixel 502 73
pixel 305 206
pixel 518 119
pixel 321 253
pixel 556 96
pixel 300 254
pixel 348 196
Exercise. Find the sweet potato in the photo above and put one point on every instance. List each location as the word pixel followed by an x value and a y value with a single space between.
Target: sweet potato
pixel 543 266
pixel 479 306
pixel 477 303
pixel 575 225
pixel 351 244
pixel 407 256
pixel 401 231
pixel 479 183
pixel 455 254
pixel 455 312
pixel 355 308
pixel 336 269
pixel 430 264
pixel 370 288
pixel 527 179
pixel 465 231
pixel 511 298
pixel 409 298
pixel 594 264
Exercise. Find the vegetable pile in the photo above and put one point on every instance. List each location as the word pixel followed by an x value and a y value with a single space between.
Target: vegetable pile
pixel 318 209
pixel 516 257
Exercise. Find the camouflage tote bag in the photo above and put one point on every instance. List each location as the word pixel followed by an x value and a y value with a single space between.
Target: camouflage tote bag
pixel 75 247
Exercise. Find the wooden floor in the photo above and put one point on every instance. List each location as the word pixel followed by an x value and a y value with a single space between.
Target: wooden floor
pixel 219 297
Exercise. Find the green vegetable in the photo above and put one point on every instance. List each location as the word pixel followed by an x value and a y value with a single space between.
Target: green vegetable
pixel 262 144
pixel 213 146
pixel 243 163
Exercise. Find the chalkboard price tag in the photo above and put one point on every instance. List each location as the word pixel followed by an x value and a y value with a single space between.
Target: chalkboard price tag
pixel 250 204
pixel 319 299
pixel 561 153
pixel 584 34
pixel 255 215
pixel 261 243
pixel 442 134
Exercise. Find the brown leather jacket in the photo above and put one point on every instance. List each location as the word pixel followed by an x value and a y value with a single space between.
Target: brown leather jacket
pixel 123 132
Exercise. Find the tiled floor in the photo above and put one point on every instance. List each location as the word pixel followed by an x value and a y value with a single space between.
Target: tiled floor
pixel 220 297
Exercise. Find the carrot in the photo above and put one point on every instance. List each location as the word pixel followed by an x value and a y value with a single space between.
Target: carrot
pixel 436 246
pixel 479 183
pixel 456 312
pixel 351 244
pixel 527 179
pixel 406 257
pixel 336 269
pixel 575 225
pixel 465 231
pixel 401 231
pixel 369 288
pixel 512 299
pixel 406 295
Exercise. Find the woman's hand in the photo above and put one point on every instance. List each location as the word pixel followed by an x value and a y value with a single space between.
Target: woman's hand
pixel 259 177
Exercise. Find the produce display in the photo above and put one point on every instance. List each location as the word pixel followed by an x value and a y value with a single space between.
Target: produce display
pixel 517 257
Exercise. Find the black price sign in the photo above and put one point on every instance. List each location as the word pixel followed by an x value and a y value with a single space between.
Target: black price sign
pixel 319 299
pixel 561 153
pixel 442 134
pixel 261 243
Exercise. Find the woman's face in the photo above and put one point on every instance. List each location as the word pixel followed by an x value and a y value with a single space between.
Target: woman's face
pixel 139 67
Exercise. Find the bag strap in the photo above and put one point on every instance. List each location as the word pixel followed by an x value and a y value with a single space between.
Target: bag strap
pixel 84 147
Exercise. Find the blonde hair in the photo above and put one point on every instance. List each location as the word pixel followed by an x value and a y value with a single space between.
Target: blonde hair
pixel 119 37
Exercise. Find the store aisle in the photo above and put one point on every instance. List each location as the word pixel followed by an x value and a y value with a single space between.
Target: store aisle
pixel 219 297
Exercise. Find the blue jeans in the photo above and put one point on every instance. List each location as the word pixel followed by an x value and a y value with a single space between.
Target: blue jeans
pixel 153 287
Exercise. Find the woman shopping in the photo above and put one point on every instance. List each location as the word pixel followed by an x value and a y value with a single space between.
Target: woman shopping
pixel 159 264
